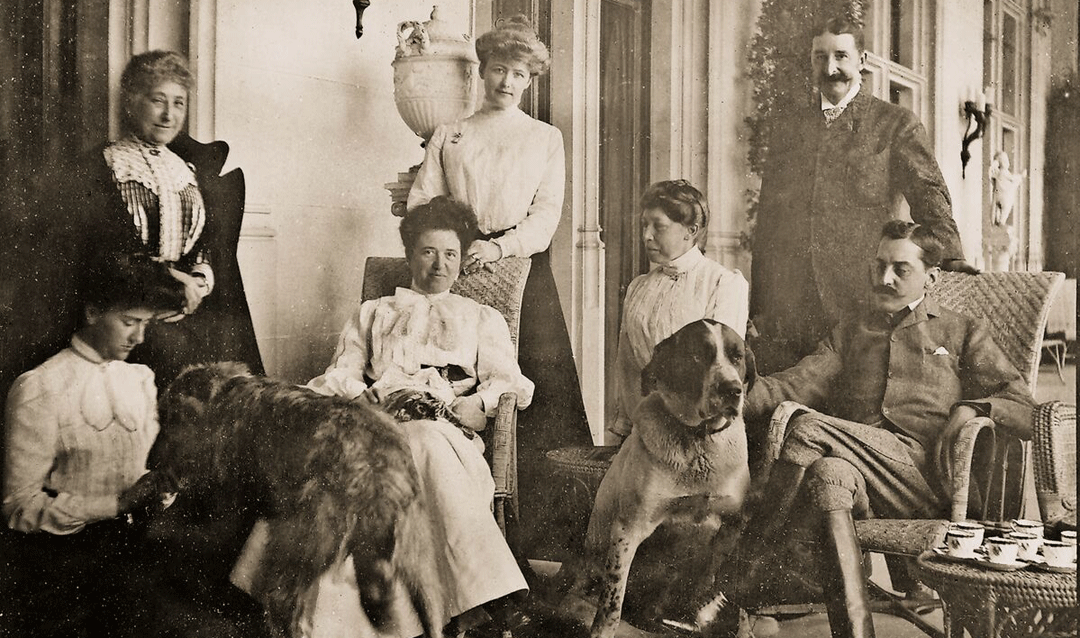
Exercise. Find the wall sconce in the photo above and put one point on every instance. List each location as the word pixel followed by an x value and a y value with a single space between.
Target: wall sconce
pixel 360 5
pixel 977 112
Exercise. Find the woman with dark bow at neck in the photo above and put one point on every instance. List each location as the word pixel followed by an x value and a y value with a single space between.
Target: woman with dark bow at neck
pixel 682 286
pixel 511 169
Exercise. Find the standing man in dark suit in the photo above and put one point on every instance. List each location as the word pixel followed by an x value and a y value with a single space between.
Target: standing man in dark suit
pixel 892 387
pixel 836 172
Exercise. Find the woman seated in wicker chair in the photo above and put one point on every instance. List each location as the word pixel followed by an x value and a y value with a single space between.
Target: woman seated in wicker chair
pixel 439 362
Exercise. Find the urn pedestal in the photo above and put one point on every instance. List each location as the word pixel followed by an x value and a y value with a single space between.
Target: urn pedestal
pixel 435 71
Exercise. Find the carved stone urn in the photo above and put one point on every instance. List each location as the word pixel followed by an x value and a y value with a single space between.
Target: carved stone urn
pixel 435 71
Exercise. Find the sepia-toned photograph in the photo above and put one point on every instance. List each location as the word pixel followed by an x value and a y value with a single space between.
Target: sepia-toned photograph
pixel 538 318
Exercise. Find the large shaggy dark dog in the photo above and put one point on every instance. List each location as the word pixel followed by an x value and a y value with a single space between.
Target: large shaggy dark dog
pixel 333 477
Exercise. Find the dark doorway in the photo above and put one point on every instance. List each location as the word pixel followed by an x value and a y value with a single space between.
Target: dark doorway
pixel 624 157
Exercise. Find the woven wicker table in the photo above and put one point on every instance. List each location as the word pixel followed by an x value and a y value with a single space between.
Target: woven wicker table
pixel 992 603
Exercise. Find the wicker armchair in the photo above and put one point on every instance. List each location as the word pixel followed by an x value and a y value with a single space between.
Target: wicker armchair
pixel 1055 463
pixel 988 465
pixel 502 289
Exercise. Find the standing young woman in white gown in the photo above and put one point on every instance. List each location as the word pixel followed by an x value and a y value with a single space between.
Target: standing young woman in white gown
pixel 511 169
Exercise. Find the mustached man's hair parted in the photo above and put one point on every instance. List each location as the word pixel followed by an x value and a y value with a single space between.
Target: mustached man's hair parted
pixel 921 236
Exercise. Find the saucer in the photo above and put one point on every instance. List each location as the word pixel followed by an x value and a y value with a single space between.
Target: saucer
pixel 1004 567
pixel 1053 569
pixel 980 560
pixel 969 558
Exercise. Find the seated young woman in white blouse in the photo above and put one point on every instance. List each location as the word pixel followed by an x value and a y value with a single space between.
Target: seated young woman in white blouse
pixel 78 429
pixel 682 286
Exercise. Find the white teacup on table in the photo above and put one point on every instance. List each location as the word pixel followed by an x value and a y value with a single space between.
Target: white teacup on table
pixel 1001 550
pixel 1059 553
pixel 974 527
pixel 1028 545
pixel 1029 526
pixel 1068 536
pixel 961 543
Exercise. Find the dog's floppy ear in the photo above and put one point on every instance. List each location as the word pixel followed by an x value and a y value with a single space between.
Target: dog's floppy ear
pixel 660 366
pixel 751 370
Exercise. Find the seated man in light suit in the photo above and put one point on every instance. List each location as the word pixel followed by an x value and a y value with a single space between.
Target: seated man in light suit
pixel 890 387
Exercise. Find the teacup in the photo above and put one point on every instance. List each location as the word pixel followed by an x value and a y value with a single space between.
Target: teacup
pixel 1028 545
pixel 961 543
pixel 1069 536
pixel 974 527
pixel 1001 550
pixel 1029 526
pixel 1058 553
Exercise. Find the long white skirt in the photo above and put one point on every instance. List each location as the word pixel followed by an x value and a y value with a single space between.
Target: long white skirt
pixel 457 489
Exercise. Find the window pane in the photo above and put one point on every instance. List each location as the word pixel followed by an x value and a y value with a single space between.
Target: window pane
pixel 902 32
pixel 1009 35
pixel 1008 144
pixel 902 95
pixel 870 30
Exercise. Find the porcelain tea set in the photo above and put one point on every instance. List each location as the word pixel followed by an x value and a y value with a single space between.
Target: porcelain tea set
pixel 1021 544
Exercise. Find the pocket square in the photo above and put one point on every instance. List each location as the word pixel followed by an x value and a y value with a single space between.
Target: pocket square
pixel 941 351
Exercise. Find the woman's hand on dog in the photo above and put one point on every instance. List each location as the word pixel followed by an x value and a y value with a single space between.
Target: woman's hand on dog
pixel 470 410
pixel 151 489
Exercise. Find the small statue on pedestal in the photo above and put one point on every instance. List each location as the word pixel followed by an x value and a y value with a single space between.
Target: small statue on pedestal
pixel 1005 186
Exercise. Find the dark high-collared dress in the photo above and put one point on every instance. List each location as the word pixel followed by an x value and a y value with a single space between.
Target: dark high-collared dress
pixel 82 214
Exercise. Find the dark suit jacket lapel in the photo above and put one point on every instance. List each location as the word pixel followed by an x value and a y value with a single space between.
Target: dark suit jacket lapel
pixel 923 312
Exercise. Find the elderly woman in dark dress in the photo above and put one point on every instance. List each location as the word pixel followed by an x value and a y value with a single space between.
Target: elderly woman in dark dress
pixel 154 190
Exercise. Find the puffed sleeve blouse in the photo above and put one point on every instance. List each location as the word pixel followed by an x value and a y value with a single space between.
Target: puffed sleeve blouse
pixel 663 300
pixel 78 432
pixel 509 167
pixel 409 340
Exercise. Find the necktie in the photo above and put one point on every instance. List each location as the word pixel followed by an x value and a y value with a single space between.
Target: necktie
pixel 831 114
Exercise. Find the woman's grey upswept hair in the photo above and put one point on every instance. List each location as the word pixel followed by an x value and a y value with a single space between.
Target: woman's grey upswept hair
pixel 146 70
